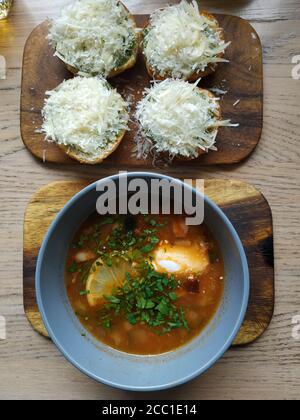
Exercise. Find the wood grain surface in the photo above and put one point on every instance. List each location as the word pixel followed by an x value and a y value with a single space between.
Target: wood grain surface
pixel 32 367
pixel 241 78
pixel 246 207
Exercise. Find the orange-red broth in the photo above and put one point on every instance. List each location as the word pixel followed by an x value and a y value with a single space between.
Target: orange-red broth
pixel 199 294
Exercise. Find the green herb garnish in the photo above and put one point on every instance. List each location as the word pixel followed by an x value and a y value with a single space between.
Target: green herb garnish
pixel 148 297
pixel 73 267
pixel 127 243
pixel 84 292
pixel 107 221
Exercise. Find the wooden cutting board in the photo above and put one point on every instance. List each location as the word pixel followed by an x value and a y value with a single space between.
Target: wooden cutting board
pixel 242 78
pixel 245 206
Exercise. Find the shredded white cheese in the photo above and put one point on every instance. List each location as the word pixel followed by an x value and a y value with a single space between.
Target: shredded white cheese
pixel 177 118
pixel 94 36
pixel 180 41
pixel 85 114
pixel 218 91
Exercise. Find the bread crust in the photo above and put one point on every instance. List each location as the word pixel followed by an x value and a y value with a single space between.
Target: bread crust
pixel 126 66
pixel 80 157
pixel 211 68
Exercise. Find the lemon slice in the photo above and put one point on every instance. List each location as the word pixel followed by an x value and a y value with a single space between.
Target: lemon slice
pixel 102 279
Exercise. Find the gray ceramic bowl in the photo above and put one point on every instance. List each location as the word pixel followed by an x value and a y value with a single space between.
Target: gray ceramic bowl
pixel 112 367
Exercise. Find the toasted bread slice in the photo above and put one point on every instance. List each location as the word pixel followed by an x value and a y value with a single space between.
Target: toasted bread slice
pixel 86 118
pixel 196 75
pixel 95 159
pixel 66 52
pixel 171 118
pixel 131 62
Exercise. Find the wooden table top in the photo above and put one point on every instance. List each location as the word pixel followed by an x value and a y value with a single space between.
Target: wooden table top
pixel 31 366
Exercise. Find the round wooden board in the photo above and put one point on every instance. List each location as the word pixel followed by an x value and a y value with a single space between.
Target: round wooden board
pixel 245 206
pixel 242 78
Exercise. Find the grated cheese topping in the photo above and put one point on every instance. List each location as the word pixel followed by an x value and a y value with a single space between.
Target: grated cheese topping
pixel 85 114
pixel 94 36
pixel 180 41
pixel 177 118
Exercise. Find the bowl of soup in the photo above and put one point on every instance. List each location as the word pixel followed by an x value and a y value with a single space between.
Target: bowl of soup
pixel 141 299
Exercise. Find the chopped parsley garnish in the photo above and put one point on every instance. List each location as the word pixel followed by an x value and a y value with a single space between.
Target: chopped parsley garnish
pixel 73 267
pixel 84 292
pixel 149 298
pixel 125 242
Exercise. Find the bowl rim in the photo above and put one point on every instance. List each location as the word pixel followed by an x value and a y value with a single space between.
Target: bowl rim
pixel 213 359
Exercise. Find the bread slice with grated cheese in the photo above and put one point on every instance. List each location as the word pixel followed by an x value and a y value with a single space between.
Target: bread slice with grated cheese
pixel 95 37
pixel 182 42
pixel 178 119
pixel 86 118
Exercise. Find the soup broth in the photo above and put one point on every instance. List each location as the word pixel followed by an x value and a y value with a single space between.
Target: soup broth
pixel 144 284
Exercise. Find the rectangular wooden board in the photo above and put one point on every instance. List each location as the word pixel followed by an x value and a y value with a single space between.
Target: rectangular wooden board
pixel 242 78
pixel 245 206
